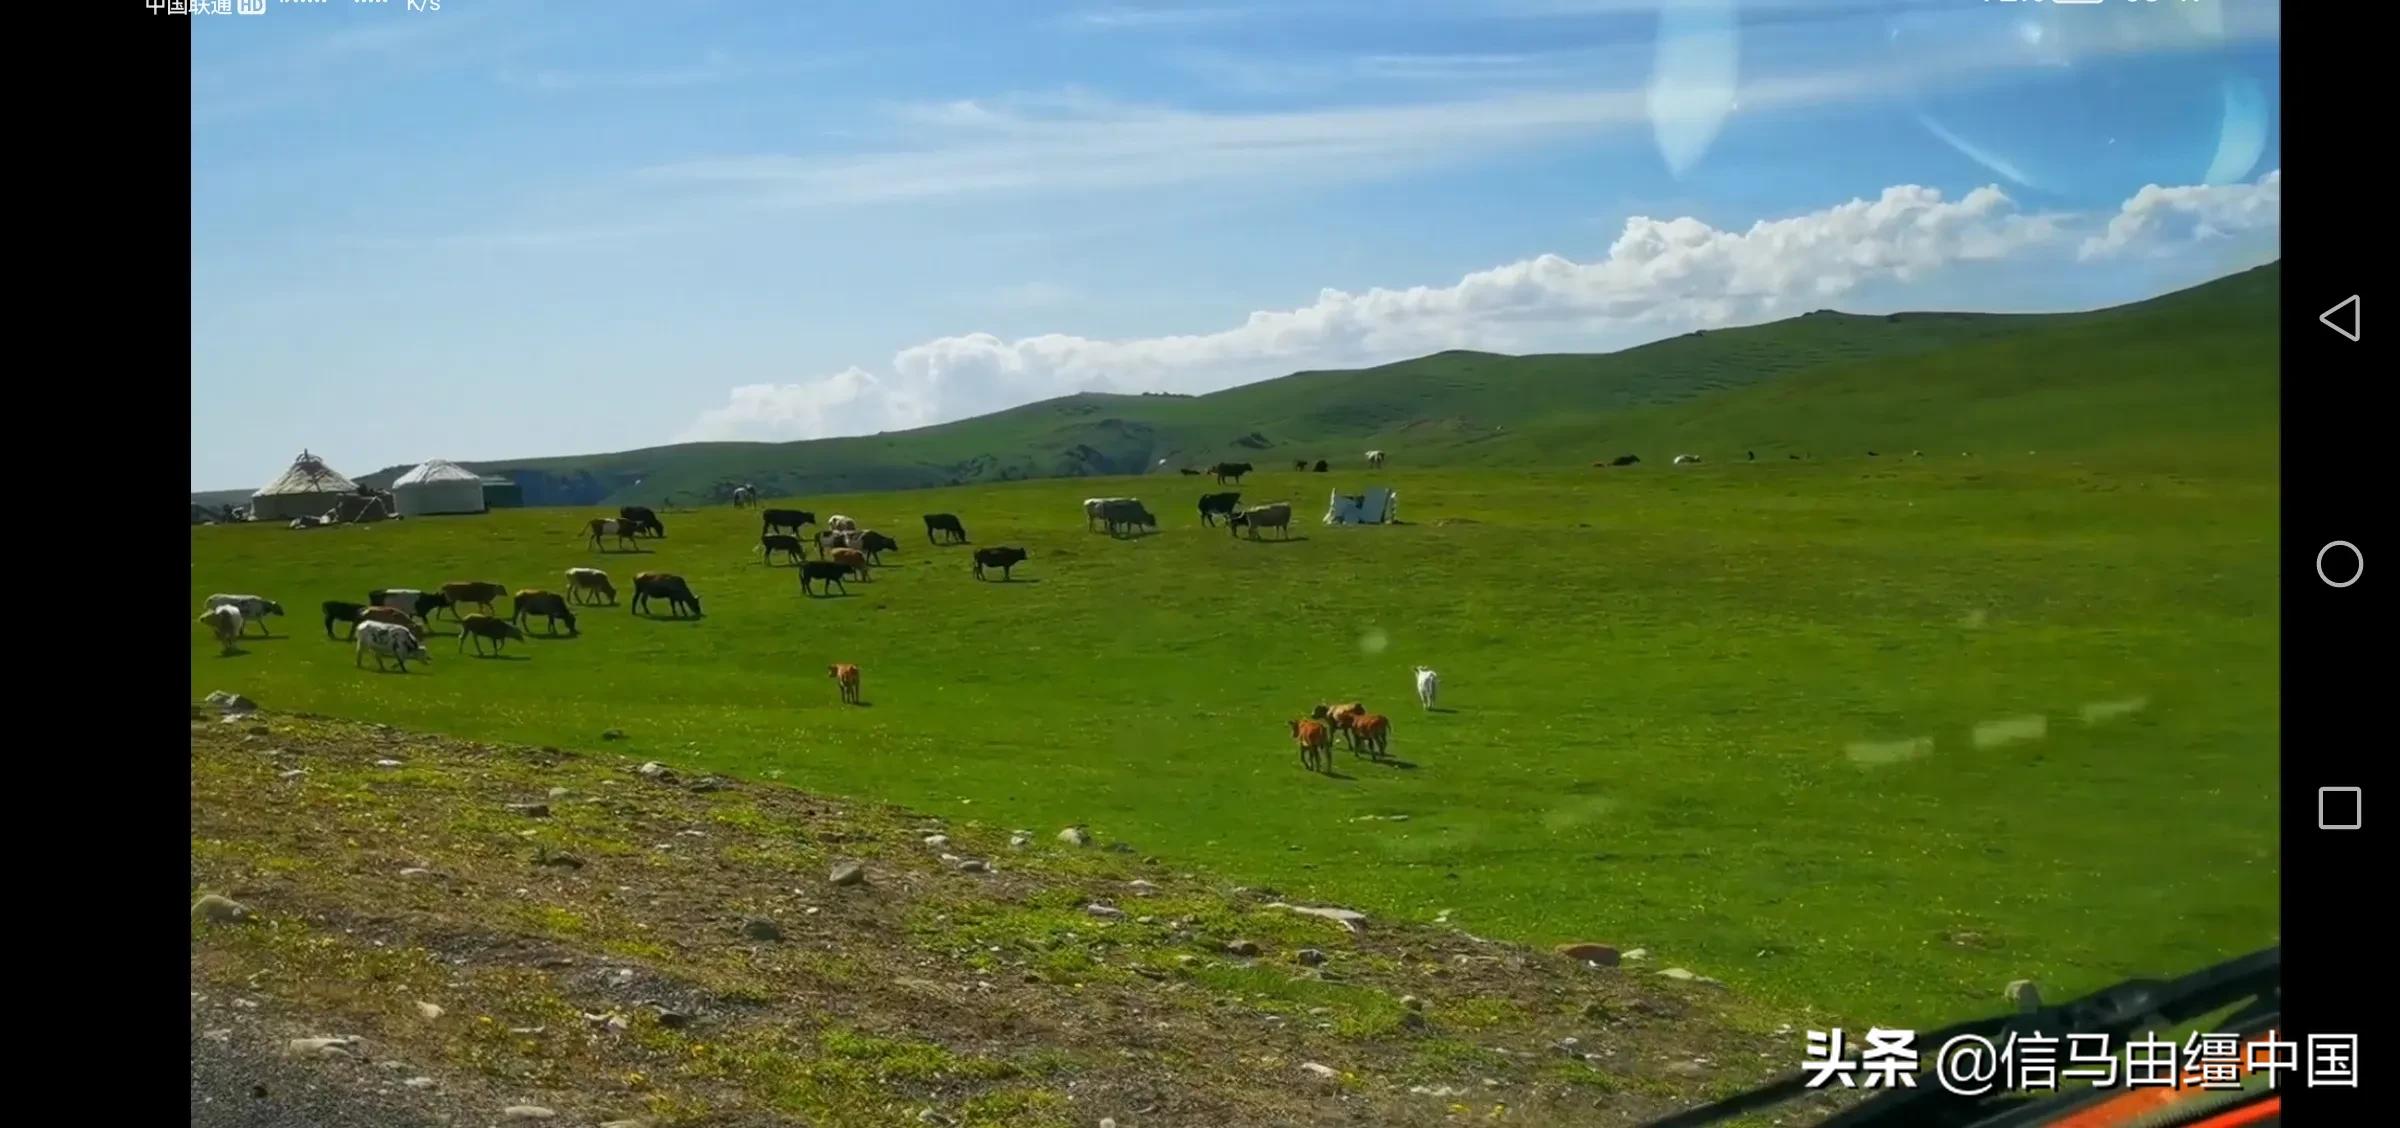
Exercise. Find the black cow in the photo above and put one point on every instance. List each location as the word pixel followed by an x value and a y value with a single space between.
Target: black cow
pixel 770 520
pixel 1321 467
pixel 1215 505
pixel 337 611
pixel 1871 454
pixel 1001 558
pixel 1625 460
pixel 944 523
pixel 1753 455
pixel 641 518
pixel 1188 471
pixel 828 571
pixel 677 593
pixel 1300 464
pixel 785 543
pixel 423 606
pixel 1233 470
pixel 875 544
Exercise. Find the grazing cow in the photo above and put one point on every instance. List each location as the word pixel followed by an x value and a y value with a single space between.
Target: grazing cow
pixel 1374 460
pixel 1429 685
pixel 678 594
pixel 770 520
pixel 642 518
pixel 841 524
pixel 1188 472
pixel 1625 460
pixel 1316 745
pixel 854 559
pixel 1872 454
pixel 1321 466
pixel 1682 459
pixel 785 543
pixel 1300 464
pixel 845 676
pixel 1126 513
pixel 385 640
pixel 253 609
pixel 394 616
pixel 830 572
pixel 551 606
pixel 1213 506
pixel 1001 558
pixel 1917 454
pixel 481 627
pixel 421 604
pixel 1793 457
pixel 744 497
pixel 1274 516
pixel 1234 470
pixel 588 583
pixel 225 622
pixel 945 523
pixel 1095 509
pixel 1373 733
pixel 478 592
pixel 616 527
pixel 875 544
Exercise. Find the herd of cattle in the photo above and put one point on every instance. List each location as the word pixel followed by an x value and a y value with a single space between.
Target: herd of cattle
pixel 392 624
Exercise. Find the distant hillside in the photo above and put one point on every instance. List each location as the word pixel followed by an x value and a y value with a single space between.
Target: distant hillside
pixel 1720 389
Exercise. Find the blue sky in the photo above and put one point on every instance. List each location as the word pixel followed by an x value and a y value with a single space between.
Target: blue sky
pixel 558 228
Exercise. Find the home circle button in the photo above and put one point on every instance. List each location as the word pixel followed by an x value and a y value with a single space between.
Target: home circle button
pixel 2332 567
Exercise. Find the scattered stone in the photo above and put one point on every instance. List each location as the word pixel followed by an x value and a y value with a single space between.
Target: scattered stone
pixel 847 873
pixel 636 1122
pixel 937 841
pixel 321 1047
pixel 1075 836
pixel 232 702
pixel 389 763
pixel 1319 1071
pixel 1241 948
pixel 221 910
pixel 613 734
pixel 2025 993
pixel 1413 1020
pixel 526 1112
pixel 258 730
pixel 1684 974
pixel 1686 1068
pixel 1105 912
pixel 531 810
pixel 1309 956
pixel 1108 1122
pixel 708 783
pixel 1186 960
pixel 1019 840
pixel 1354 921
pixel 419 1082
pixel 1436 1091
pixel 1637 955
pixel 430 1011
pixel 294 773
pixel 760 928
pixel 1141 887
pixel 416 871
pixel 672 1019
pixel 565 861
pixel 974 865
pixel 618 976
pixel 1121 847
pixel 652 769
pixel 1600 954
pixel 1412 1002
pixel 560 793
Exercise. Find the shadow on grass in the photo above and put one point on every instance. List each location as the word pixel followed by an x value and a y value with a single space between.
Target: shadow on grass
pixel 1440 709
pixel 504 657
pixel 1273 540
pixel 1008 580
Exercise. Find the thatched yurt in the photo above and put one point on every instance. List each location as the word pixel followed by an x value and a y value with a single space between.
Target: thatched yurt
pixel 438 486
pixel 307 489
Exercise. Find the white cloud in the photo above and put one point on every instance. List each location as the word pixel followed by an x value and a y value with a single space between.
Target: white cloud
pixel 1123 17
pixel 1660 276
pixel 2160 220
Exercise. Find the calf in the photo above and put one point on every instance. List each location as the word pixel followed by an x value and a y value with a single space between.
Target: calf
pixel 588 583
pixel 1429 685
pixel 828 572
pixel 481 627
pixel 619 528
pixel 785 543
pixel 225 623
pixel 421 604
pixel 677 593
pixel 253 609
pixel 1001 558
pixel 855 560
pixel 770 520
pixel 478 592
pixel 845 676
pixel 1215 505
pixel 551 606
pixel 642 519
pixel 1372 732
pixel 945 523
pixel 384 640
pixel 1276 516
pixel 1316 745
pixel 875 544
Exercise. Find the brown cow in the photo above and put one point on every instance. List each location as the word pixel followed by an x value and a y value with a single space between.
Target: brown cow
pixel 1373 732
pixel 1340 718
pixel 1316 745
pixel 395 617
pixel 549 605
pixel 481 627
pixel 854 558
pixel 845 675
pixel 477 592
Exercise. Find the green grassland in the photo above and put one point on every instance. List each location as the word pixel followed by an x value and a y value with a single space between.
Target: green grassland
pixel 1772 720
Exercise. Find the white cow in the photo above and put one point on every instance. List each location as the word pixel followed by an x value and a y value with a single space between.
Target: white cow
pixel 841 524
pixel 225 622
pixel 388 640
pixel 1683 458
pixel 587 584
pixel 832 539
pixel 1375 460
pixel 253 609
pixel 1429 685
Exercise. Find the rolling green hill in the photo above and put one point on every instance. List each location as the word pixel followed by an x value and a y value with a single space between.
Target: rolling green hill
pixel 1817 383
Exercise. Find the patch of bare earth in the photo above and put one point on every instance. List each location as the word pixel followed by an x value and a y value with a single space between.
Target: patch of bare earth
pixel 504 927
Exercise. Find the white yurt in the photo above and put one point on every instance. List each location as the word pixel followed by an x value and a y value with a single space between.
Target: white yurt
pixel 306 489
pixel 438 486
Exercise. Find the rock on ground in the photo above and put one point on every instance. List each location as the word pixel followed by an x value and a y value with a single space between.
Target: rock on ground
pixel 847 873
pixel 1600 954
pixel 1347 918
pixel 1075 836
pixel 218 909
